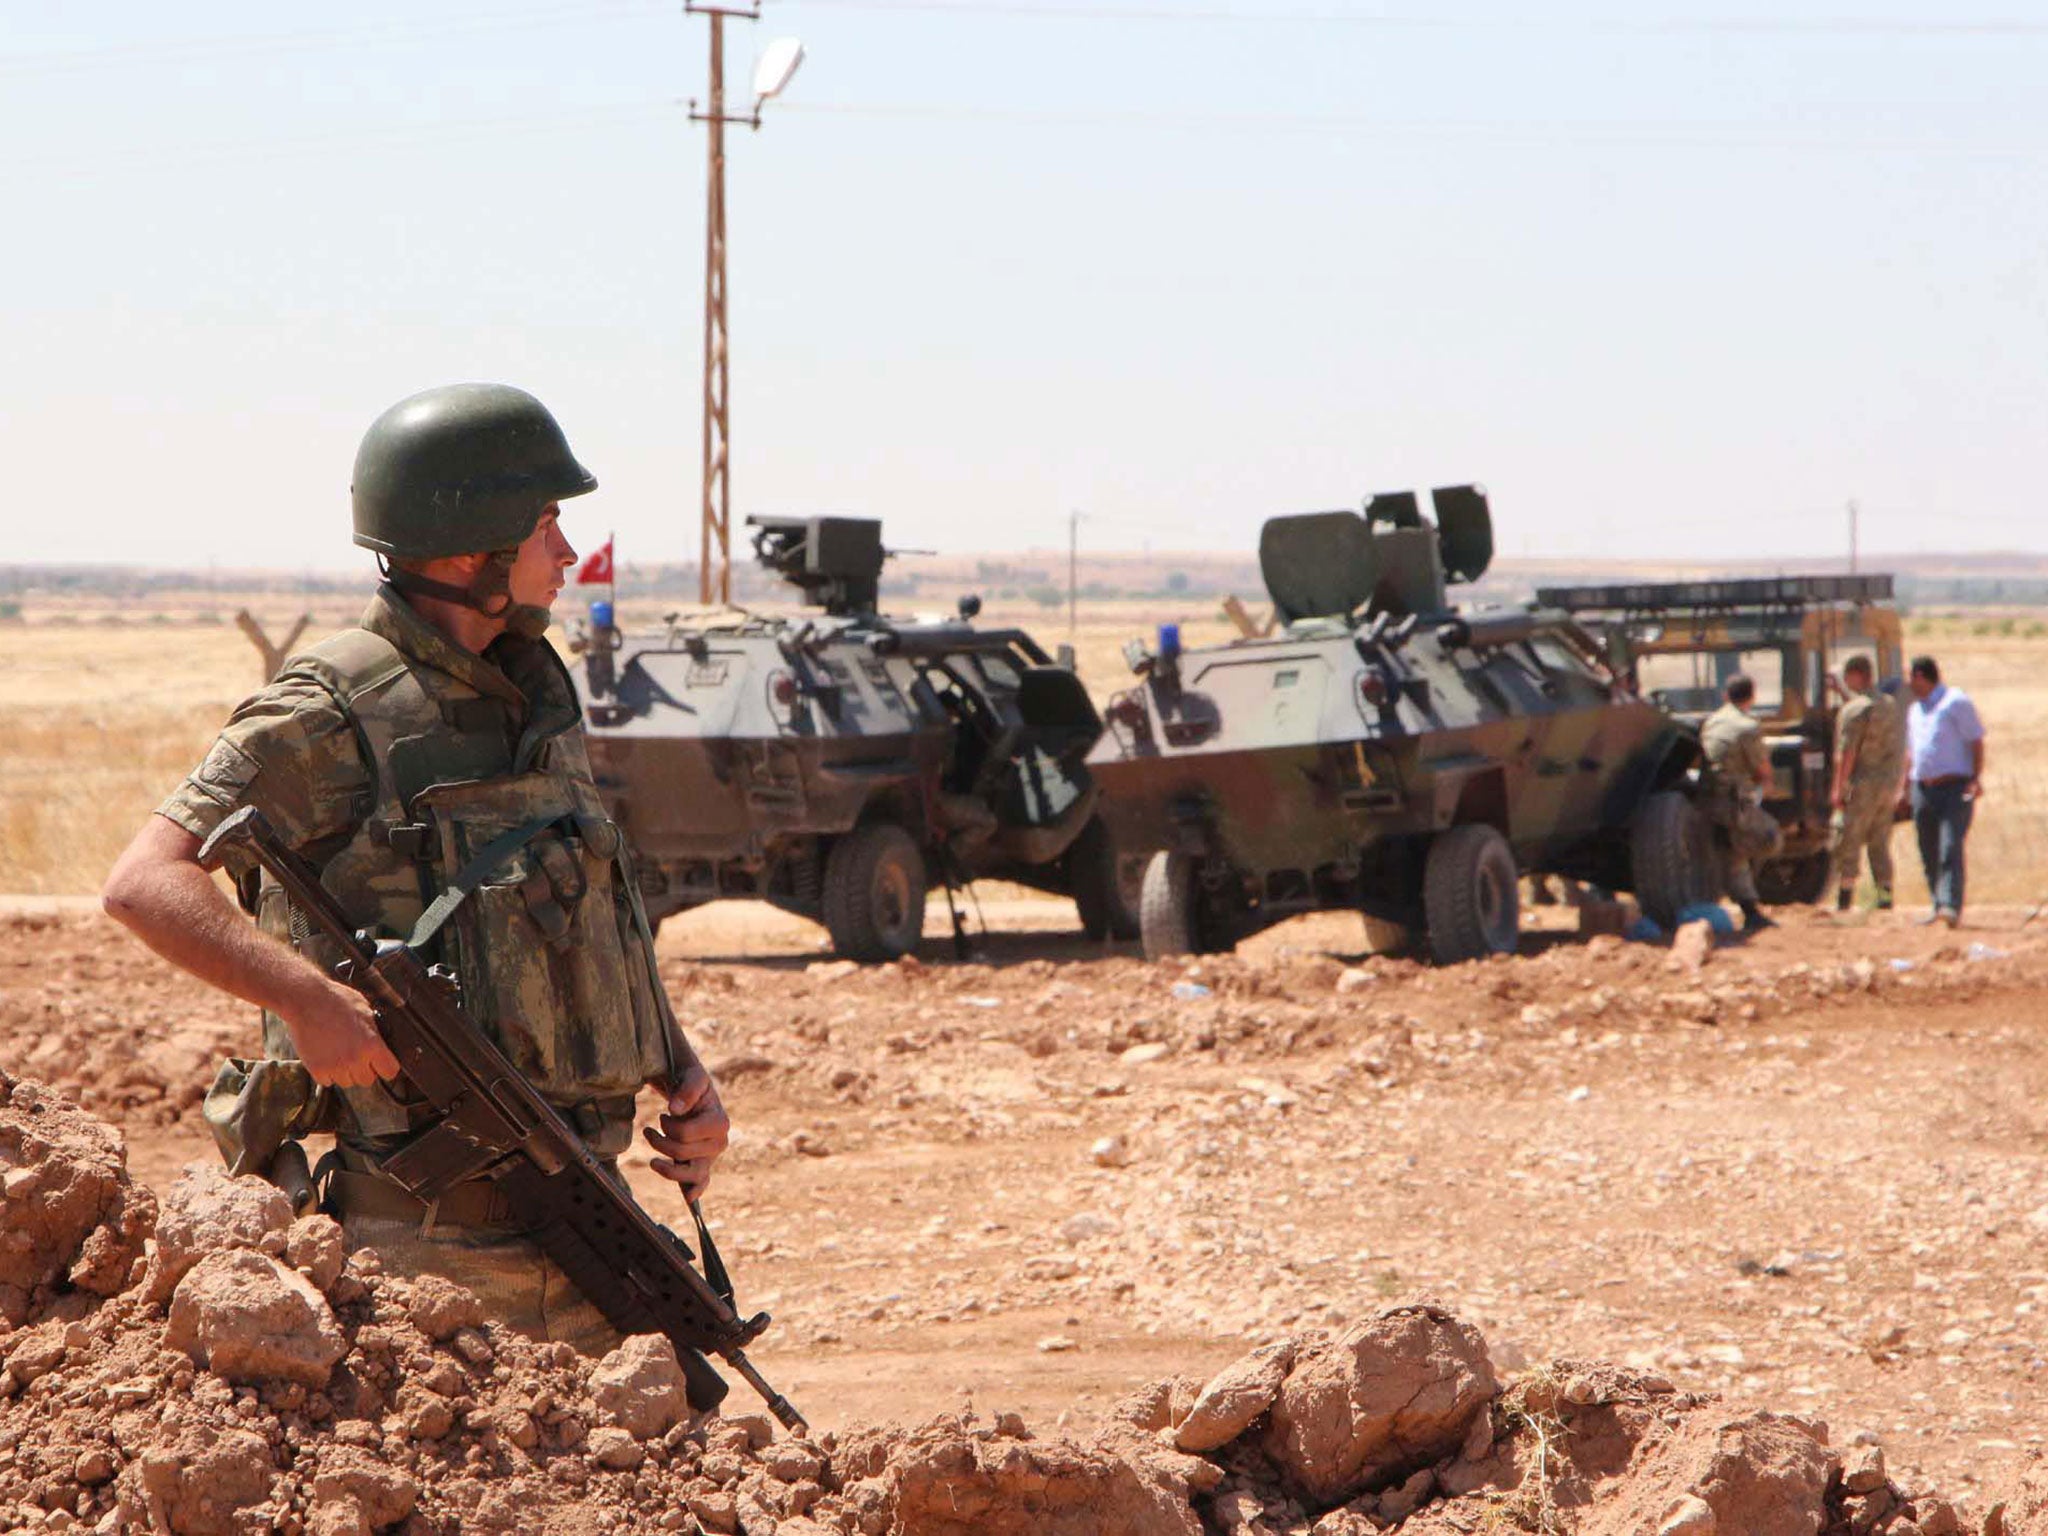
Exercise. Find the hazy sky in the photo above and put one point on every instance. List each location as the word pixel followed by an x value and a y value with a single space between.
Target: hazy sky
pixel 1668 277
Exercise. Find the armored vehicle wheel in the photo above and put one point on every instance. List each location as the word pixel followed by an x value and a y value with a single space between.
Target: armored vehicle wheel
pixel 1387 938
pixel 874 893
pixel 1803 880
pixel 1471 893
pixel 1107 904
pixel 1174 914
pixel 1671 857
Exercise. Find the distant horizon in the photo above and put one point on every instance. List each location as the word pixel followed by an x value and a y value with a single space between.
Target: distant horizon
pixel 942 561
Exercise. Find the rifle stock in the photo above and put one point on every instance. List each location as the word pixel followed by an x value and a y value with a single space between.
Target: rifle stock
pixel 489 1122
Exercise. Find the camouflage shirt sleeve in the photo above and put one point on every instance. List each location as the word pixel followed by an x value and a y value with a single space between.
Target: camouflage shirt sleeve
pixel 290 751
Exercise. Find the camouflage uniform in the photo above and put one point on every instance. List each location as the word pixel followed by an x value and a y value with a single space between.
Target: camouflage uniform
pixel 1734 744
pixel 1873 727
pixel 392 758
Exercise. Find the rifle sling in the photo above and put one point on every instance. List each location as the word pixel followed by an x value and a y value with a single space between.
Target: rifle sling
pixel 484 863
pixel 714 1266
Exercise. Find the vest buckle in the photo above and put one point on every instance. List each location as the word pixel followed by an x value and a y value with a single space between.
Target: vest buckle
pixel 408 839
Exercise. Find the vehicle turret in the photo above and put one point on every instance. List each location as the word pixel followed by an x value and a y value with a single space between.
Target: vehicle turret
pixel 835 561
pixel 1389 560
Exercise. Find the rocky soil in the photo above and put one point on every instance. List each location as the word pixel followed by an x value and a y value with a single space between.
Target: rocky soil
pixel 1355 1220
pixel 252 1376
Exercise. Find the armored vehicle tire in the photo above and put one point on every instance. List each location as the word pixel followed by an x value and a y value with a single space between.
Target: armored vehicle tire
pixel 1173 917
pixel 874 893
pixel 1803 880
pixel 1388 938
pixel 1671 857
pixel 1471 895
pixel 1095 876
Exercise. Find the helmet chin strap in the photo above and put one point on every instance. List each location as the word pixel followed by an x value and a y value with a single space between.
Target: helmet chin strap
pixel 488 593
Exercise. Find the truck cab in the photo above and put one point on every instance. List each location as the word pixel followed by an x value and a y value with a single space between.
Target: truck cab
pixel 1792 635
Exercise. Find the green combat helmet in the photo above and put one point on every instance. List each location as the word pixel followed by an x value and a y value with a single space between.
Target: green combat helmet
pixel 457 470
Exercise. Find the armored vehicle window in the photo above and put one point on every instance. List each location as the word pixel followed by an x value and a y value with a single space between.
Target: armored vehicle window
pixel 1556 656
pixel 1692 680
pixel 998 671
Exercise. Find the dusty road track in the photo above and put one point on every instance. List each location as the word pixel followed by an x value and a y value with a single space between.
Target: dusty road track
pixel 1788 1176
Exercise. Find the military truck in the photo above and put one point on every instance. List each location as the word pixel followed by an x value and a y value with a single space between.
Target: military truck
pixel 1791 634
pixel 1387 753
pixel 841 764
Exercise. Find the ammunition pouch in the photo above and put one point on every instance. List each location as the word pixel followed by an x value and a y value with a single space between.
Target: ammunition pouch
pixel 550 958
pixel 255 1107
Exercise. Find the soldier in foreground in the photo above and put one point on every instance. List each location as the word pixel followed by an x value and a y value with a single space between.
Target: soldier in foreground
pixel 1870 743
pixel 1734 743
pixel 436 749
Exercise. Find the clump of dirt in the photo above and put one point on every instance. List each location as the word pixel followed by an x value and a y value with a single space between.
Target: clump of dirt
pixel 71 1221
pixel 253 1379
pixel 1571 1447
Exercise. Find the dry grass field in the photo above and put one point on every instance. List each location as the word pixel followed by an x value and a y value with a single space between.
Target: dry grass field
pixel 102 713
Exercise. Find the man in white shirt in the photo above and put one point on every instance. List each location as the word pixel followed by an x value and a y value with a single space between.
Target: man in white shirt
pixel 1945 740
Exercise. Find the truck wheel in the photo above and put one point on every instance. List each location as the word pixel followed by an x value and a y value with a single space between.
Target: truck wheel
pixel 1471 894
pixel 1094 876
pixel 1174 913
pixel 1671 857
pixel 1802 880
pixel 1388 938
pixel 874 893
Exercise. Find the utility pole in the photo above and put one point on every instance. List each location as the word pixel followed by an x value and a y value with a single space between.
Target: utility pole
pixel 1853 511
pixel 1073 568
pixel 714 569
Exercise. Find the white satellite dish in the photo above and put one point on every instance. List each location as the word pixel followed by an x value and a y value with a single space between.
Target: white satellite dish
pixel 778 62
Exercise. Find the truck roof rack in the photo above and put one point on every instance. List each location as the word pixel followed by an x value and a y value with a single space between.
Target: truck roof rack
pixel 1741 592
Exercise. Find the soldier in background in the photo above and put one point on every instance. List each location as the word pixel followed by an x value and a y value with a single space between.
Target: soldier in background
pixel 1741 771
pixel 1870 750
pixel 435 749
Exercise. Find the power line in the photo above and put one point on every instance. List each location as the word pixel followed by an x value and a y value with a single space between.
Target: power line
pixel 230 151
pixel 200 49
pixel 1765 26
pixel 1594 133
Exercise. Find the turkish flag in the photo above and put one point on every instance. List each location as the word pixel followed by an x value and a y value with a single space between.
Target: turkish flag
pixel 598 567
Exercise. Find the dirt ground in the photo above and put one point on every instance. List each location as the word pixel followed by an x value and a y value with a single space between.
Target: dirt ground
pixel 1809 1174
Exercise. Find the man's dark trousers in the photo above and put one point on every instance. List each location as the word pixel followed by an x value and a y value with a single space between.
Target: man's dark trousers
pixel 1941 817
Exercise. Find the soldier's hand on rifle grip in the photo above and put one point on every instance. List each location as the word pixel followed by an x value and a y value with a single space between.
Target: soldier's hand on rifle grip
pixel 335 1031
pixel 694 1131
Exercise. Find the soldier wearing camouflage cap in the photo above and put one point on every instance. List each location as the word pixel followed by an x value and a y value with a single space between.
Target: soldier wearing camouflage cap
pixel 392 755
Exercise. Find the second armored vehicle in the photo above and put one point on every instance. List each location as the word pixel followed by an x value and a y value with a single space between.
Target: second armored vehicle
pixel 1387 753
pixel 840 764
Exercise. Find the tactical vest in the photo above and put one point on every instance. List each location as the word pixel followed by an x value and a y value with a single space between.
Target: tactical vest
pixel 505 844
pixel 1882 744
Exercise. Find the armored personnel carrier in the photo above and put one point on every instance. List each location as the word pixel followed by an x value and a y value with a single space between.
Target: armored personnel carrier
pixel 840 764
pixel 1385 752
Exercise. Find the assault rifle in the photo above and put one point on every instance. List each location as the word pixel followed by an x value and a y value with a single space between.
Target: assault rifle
pixel 488 1122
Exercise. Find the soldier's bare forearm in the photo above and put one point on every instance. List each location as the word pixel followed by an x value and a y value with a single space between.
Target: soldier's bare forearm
pixel 158 892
